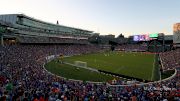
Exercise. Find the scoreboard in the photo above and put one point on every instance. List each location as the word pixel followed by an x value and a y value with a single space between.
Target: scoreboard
pixel 153 35
pixel 145 37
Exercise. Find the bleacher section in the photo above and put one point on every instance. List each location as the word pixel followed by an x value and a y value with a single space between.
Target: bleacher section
pixel 171 59
pixel 22 76
pixel 132 47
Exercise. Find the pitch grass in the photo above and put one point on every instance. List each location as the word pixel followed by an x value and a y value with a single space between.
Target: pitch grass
pixel 139 65
pixel 71 72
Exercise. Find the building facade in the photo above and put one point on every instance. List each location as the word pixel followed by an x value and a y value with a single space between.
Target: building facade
pixel 176 33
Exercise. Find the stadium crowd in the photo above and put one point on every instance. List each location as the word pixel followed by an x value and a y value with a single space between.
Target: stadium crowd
pixel 23 78
pixel 50 40
pixel 171 59
pixel 132 47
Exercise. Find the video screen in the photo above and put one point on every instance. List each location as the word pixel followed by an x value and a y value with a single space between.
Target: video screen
pixel 136 38
pixel 144 37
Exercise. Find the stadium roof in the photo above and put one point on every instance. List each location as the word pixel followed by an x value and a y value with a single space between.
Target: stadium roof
pixel 25 16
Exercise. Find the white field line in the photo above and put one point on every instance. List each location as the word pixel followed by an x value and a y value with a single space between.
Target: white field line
pixel 153 68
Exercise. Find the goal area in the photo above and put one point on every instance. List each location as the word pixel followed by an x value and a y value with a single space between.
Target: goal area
pixel 80 64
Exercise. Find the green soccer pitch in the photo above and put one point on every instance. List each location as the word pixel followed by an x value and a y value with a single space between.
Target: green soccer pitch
pixel 133 64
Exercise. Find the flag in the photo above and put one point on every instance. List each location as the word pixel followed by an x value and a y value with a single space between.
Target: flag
pixel 57 22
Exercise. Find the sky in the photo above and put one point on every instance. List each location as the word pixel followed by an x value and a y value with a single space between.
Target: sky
pixel 129 17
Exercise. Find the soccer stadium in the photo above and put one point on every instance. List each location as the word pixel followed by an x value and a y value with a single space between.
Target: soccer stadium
pixel 41 61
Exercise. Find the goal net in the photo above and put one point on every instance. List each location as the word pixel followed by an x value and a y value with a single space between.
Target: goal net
pixel 80 64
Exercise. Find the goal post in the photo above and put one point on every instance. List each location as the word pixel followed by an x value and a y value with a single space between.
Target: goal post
pixel 80 64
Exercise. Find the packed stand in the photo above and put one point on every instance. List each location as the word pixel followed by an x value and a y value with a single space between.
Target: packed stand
pixel 170 60
pixel 23 78
pixel 132 47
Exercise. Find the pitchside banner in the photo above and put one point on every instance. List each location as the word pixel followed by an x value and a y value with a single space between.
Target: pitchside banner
pixel 176 32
